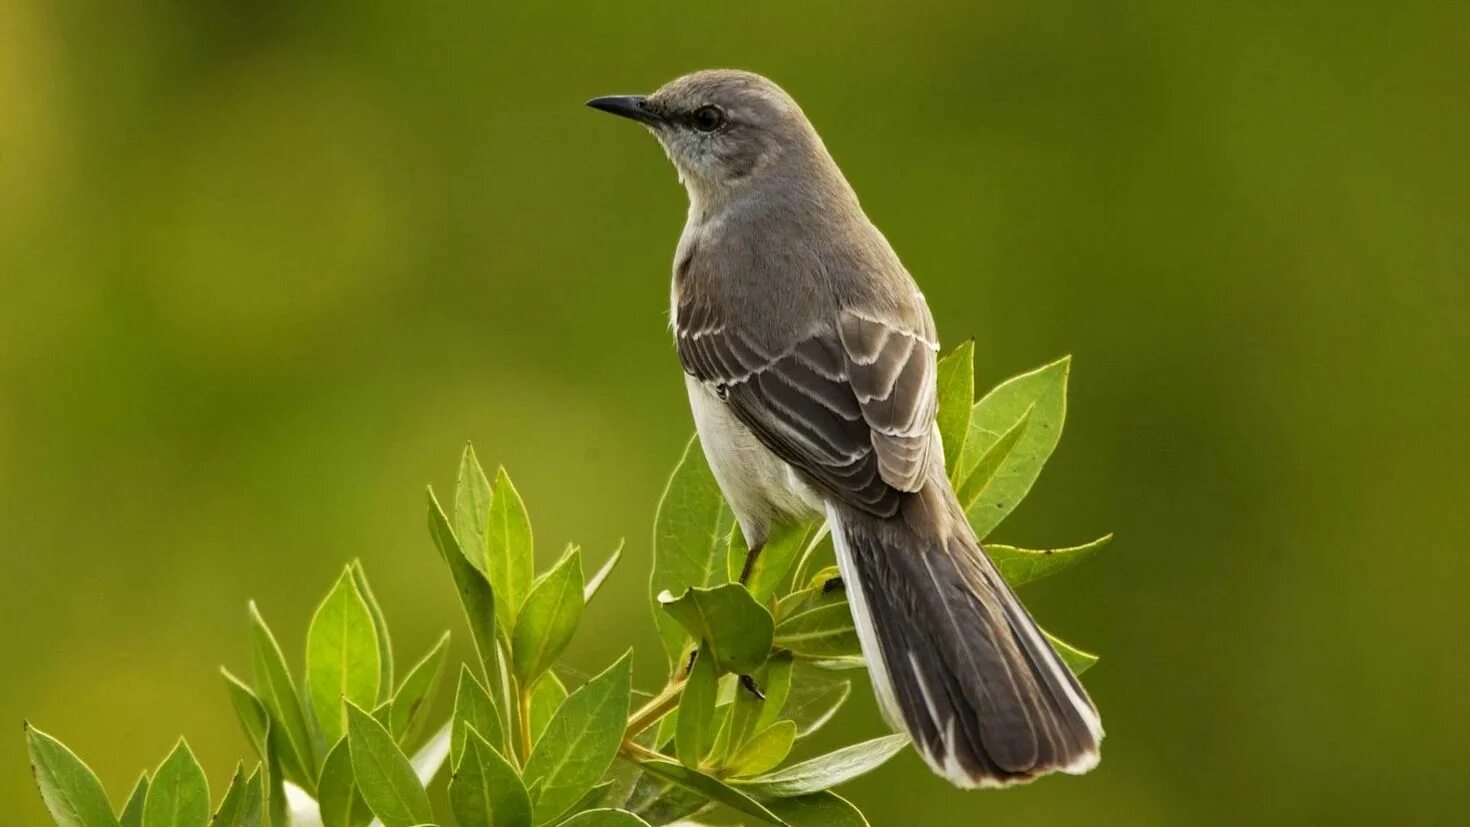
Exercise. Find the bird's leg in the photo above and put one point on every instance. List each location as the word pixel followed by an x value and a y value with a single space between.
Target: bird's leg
pixel 750 557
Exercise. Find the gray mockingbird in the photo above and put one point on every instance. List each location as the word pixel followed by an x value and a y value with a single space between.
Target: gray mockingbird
pixel 809 357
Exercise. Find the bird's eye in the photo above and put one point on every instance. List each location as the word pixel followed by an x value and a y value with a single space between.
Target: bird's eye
pixel 708 118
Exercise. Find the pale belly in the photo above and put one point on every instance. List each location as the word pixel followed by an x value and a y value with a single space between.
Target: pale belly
pixel 760 487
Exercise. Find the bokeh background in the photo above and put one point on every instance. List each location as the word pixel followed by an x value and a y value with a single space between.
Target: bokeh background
pixel 264 266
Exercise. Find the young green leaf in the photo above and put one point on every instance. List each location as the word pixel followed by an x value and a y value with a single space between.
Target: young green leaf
pixel 955 381
pixel 1044 390
pixel 472 498
pixel 548 618
pixel 473 708
pixel 278 694
pixel 1020 566
pixel 410 703
pixel 764 751
pixel 249 810
pixel 736 630
pixel 380 625
pixel 689 541
pixel 786 543
pixel 275 784
pixel 709 787
pixel 229 805
pixel 693 736
pixel 756 708
pixel 475 594
pixel 814 698
pixel 604 818
pixel 509 549
pixel 485 791
pixel 601 575
pixel 821 628
pixel 340 802
pixel 721 727
pixel 131 814
pixel 178 794
pixel 72 793
pixel 825 771
pixel 581 741
pixel 384 776
pixel 341 657
pixel 824 809
pixel 254 718
pixel 1076 659
pixel 979 478
pixel 547 695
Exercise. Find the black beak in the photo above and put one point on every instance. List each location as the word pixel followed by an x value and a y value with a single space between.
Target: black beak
pixel 634 107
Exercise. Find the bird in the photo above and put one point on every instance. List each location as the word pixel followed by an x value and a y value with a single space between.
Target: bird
pixel 809 356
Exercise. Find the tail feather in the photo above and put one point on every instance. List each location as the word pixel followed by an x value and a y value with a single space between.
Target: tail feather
pixel 956 659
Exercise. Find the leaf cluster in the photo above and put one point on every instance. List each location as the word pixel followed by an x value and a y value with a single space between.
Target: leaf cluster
pixel 754 667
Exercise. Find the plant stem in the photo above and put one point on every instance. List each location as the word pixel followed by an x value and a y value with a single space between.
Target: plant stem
pixel 638 752
pixel 651 712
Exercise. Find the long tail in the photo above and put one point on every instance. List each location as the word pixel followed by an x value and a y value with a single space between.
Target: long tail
pixel 956 660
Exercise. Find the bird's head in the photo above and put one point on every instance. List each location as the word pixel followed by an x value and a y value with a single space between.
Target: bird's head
pixel 723 129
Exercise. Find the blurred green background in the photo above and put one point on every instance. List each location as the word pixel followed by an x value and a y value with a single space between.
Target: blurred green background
pixel 264 266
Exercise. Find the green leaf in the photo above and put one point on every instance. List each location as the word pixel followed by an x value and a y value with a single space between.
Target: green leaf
pixel 341 657
pixel 384 775
pixel 815 697
pixel 736 629
pixel 822 627
pixel 765 751
pixel 275 798
pixel 690 541
pixel 581 741
pixel 547 695
pixel 178 794
pixel 380 625
pixel 756 708
pixel 824 809
pixel 486 791
pixel 693 735
pixel 604 818
pixel 277 691
pixel 254 718
pixel 229 805
pixel 782 548
pixel 1045 392
pixel 243 804
pixel 475 594
pixel 473 708
pixel 251 809
pixel 826 771
pixel 709 787
pixel 508 549
pixel 1076 659
pixel 597 579
pixel 983 473
pixel 472 498
pixel 132 812
pixel 72 793
pixel 340 802
pixel 548 618
pixel 955 383
pixel 410 703
pixel 1020 566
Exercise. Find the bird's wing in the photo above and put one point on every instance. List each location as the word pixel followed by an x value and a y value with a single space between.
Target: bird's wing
pixel 850 403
